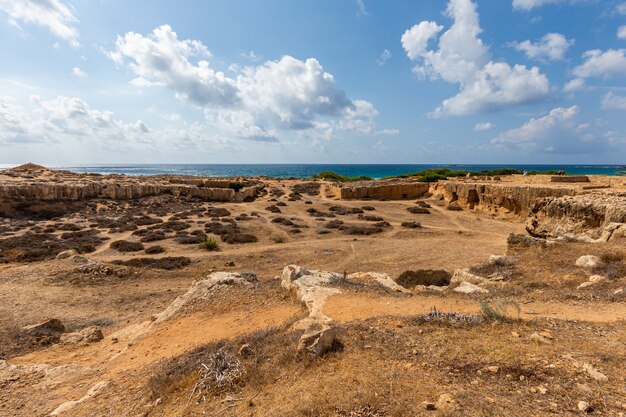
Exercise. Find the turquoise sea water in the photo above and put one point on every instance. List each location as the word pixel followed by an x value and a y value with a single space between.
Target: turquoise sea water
pixel 305 171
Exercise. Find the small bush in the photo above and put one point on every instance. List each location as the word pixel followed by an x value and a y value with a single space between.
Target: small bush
pixel 411 225
pixel 126 246
pixel 209 244
pixel 333 176
pixel 153 250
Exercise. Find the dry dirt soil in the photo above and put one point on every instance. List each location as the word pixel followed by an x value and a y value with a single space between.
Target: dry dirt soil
pixel 554 350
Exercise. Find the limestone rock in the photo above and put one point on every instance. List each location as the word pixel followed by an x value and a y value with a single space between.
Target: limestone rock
pixel 89 334
pixel 49 327
pixel 469 288
pixel 584 406
pixel 317 340
pixel 588 261
pixel 594 373
pixel 594 217
pixel 463 275
pixel 66 254
pixel 593 280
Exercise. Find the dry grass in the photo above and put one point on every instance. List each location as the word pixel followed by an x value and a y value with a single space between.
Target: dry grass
pixel 390 365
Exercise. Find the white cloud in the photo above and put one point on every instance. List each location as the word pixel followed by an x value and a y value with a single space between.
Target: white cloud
pixel 384 57
pixel 621 8
pixel 551 47
pixel 558 131
pixel 415 40
pixel 77 72
pixel 287 94
pixel 621 32
pixel 574 85
pixel 527 5
pixel 462 58
pixel 60 118
pixel 56 15
pixel 72 122
pixel 162 59
pixel 605 64
pixel 536 130
pixel 614 101
pixel 482 127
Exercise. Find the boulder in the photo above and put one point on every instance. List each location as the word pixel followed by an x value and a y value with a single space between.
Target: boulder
pixel 588 261
pixel 317 340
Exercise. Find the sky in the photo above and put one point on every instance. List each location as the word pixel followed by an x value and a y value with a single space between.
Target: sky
pixel 313 81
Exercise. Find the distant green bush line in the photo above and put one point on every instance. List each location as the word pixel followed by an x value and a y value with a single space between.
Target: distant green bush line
pixel 436 174
pixel 432 175
pixel 333 176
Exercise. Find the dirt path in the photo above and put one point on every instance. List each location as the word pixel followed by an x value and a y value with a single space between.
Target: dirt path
pixel 349 307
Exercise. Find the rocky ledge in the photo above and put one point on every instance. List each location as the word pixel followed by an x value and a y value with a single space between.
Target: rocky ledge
pixel 33 184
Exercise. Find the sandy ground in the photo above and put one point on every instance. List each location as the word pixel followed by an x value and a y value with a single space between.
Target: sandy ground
pixel 588 326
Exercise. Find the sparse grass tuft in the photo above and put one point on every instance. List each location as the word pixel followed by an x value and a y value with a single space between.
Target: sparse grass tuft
pixel 209 244
pixel 498 311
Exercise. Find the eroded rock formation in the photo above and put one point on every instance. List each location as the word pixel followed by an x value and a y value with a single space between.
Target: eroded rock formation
pixel 31 185
pixel 586 217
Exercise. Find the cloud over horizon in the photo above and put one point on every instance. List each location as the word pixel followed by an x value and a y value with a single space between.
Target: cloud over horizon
pixel 462 58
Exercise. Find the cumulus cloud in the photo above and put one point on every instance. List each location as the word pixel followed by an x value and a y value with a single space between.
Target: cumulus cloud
pixel 614 101
pixel 72 116
pixel 574 85
pixel 621 32
pixel 558 131
pixel 286 94
pixel 551 47
pixel 621 8
pixel 527 5
pixel 462 58
pixel 56 15
pixel 70 120
pixel 482 127
pixel 605 64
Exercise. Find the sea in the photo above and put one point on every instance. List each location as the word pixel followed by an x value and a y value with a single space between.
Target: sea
pixel 308 170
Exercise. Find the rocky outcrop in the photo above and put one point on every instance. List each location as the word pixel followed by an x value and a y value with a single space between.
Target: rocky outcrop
pixel 377 190
pixel 19 187
pixel 594 217
pixel 497 198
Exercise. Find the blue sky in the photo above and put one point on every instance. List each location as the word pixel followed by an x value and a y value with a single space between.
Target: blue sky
pixel 326 81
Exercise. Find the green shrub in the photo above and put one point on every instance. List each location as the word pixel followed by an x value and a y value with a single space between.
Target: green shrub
pixel 235 185
pixel 209 244
pixel 333 176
